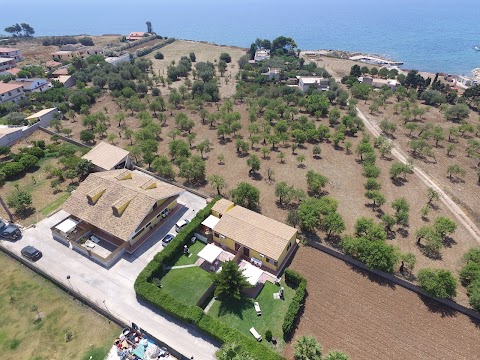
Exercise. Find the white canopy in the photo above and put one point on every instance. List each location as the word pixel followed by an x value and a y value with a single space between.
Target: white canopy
pixel 67 225
pixel 210 253
pixel 252 273
pixel 210 221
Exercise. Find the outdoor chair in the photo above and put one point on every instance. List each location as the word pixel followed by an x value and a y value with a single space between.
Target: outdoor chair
pixel 257 308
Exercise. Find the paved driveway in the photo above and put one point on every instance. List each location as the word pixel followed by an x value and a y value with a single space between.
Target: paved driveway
pixel 113 288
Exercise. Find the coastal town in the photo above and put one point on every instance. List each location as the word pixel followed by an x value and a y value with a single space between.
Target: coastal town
pixel 173 199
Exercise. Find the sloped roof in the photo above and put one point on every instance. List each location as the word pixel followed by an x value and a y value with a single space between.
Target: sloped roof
pixel 114 190
pixel 61 71
pixel 7 49
pixel 105 155
pixel 222 205
pixel 6 87
pixel 267 236
pixel 40 113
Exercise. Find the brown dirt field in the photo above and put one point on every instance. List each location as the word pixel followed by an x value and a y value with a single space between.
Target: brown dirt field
pixel 369 318
pixel 464 191
pixel 343 170
pixel 203 52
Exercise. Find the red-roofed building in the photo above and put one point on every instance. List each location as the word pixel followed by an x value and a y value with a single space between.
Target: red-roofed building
pixel 11 92
pixel 12 71
pixel 51 64
pixel 135 36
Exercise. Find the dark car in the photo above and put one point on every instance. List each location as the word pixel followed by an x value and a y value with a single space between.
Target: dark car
pixel 9 231
pixel 31 253
pixel 167 239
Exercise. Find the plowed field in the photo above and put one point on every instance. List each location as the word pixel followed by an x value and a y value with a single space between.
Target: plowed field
pixel 370 318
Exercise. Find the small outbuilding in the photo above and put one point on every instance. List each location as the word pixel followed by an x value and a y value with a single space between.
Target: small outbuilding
pixel 105 157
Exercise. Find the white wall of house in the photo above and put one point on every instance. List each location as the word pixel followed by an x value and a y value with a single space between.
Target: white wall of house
pixel 12 53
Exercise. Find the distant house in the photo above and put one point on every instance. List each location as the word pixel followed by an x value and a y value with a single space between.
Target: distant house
pixel 261 55
pixel 12 71
pixel 273 74
pixel 51 64
pixel 67 80
pixel 43 117
pixel 379 83
pixel 260 240
pixel 11 92
pixel 33 85
pixel 106 157
pixel 61 71
pixel 115 60
pixel 94 50
pixel 74 47
pixel 7 63
pixel 113 212
pixel 12 53
pixel 319 83
pixel 10 134
pixel 65 55
pixel 136 35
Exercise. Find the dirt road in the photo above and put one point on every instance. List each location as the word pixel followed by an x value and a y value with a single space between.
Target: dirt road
pixel 447 200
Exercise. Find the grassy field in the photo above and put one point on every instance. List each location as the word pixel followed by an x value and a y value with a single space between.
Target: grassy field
pixel 187 285
pixel 24 295
pixel 194 250
pixel 242 316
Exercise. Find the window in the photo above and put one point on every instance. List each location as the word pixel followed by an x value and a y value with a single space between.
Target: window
pixel 154 206
pixel 215 234
pixel 150 223
pixel 271 261
pixel 289 246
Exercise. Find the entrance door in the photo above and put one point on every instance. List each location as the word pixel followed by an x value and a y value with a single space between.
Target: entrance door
pixel 246 252
pixel 237 246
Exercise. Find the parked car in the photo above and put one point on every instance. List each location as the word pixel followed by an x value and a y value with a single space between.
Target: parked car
pixel 31 253
pixel 181 224
pixel 9 231
pixel 167 239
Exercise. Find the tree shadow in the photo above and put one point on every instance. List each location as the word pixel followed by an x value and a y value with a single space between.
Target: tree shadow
pixel 438 308
pixel 235 306
pixel 399 181
pixel 430 253
pixel 334 241
pixel 256 176
pixel 372 277
pixel 449 242
pixel 403 232
pixel 317 157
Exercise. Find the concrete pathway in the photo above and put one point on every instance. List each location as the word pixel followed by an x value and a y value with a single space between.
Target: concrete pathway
pixel 113 288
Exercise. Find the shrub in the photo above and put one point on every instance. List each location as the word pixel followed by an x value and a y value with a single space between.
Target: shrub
pixel 159 55
pixel 294 279
pixel 473 292
pixel 268 335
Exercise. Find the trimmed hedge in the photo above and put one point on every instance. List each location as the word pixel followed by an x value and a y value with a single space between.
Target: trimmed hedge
pixel 189 313
pixel 295 280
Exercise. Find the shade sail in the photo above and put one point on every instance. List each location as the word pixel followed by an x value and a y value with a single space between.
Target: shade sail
pixel 252 273
pixel 67 225
pixel 210 253
pixel 210 221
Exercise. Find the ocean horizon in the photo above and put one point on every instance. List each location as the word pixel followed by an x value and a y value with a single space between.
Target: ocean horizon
pixel 433 36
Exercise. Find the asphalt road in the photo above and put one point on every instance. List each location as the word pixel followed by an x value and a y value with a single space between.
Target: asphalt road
pixel 113 288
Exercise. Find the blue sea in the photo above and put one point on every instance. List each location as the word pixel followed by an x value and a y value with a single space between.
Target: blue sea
pixel 428 35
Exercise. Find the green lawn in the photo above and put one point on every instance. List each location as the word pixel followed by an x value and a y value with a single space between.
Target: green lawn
pixel 240 314
pixel 186 285
pixel 194 250
pixel 55 204
pixel 24 293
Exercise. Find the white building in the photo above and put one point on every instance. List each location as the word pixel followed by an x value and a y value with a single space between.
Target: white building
pixel 33 85
pixel 306 82
pixel 7 63
pixel 261 55
pixel 115 60
pixel 12 53
pixel 379 83
pixel 11 92
pixel 273 74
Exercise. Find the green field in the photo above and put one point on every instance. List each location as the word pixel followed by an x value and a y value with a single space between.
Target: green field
pixel 24 295
pixel 240 314
pixel 194 249
pixel 187 285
